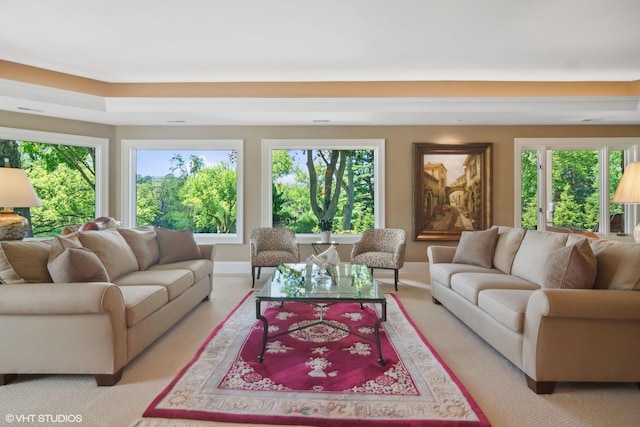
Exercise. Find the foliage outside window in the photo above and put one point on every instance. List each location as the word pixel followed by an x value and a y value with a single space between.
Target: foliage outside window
pixel 570 183
pixel 575 189
pixel 65 173
pixel 323 185
pixel 193 184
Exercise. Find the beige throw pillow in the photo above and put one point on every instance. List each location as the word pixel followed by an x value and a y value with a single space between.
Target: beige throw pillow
pixel 177 245
pixel 69 262
pixel 24 261
pixel 476 247
pixel 618 266
pixel 114 252
pixel 144 243
pixel 507 245
pixel 572 267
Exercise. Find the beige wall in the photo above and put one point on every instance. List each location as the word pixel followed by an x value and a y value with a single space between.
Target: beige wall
pixel 399 176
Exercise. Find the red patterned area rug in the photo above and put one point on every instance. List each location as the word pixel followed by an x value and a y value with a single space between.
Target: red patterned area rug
pixel 319 375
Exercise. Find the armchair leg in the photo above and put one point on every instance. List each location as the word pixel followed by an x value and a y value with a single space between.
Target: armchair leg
pixel 253 276
pixel 396 278
pixel 259 270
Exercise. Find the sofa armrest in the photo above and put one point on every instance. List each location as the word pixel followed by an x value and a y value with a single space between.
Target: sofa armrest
pixel 208 250
pixel 585 304
pixel 60 298
pixel 440 254
pixel 581 335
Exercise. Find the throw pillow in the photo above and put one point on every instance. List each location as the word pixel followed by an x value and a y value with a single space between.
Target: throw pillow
pixel 24 261
pixel 507 245
pixel 572 267
pixel 144 243
pixel 114 252
pixel 177 245
pixel 69 262
pixel 618 266
pixel 476 247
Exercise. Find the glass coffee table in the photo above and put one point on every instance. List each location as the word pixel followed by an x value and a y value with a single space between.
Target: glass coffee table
pixel 307 283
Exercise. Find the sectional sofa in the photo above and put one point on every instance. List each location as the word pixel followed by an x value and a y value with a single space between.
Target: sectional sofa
pixel 90 302
pixel 561 307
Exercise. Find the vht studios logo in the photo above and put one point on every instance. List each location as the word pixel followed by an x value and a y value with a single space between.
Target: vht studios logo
pixel 43 418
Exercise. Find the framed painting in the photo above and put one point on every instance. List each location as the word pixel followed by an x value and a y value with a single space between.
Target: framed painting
pixel 451 189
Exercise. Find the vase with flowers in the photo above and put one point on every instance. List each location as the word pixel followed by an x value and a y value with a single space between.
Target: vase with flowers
pixel 325 225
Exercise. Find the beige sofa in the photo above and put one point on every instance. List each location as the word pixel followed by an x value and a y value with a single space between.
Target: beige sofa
pixel 90 302
pixel 548 331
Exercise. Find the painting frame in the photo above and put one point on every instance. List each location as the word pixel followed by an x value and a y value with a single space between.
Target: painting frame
pixel 443 209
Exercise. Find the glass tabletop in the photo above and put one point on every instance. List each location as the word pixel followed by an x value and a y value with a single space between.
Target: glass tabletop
pixel 306 281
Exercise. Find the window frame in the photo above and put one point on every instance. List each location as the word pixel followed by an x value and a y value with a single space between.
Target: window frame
pixel 129 151
pixel 544 148
pixel 376 145
pixel 100 145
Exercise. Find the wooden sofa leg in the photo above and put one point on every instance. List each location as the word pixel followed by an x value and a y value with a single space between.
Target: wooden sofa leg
pixel 540 387
pixel 396 279
pixel 253 276
pixel 435 301
pixel 108 379
pixel 7 378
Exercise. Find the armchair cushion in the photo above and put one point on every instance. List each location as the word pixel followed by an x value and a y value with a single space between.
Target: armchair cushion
pixel 272 246
pixel 380 248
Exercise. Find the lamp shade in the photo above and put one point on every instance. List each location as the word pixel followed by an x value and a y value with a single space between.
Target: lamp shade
pixel 628 191
pixel 16 190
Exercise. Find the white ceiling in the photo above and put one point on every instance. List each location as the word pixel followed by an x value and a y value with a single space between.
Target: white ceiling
pixel 155 41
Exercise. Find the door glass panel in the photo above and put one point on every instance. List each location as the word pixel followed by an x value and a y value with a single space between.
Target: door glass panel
pixel 574 199
pixel 529 190
pixel 617 211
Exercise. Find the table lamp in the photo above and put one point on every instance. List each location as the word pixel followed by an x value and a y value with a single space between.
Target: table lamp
pixel 628 191
pixel 15 192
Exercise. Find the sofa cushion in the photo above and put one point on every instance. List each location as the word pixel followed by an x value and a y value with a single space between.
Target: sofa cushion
pixel 476 248
pixel 572 267
pixel 143 243
pixel 442 273
pixel 175 281
pixel 114 252
pixel 199 267
pixel 531 258
pixel 24 261
pixel 618 266
pixel 177 245
pixel 69 262
pixel 507 306
pixel 141 301
pixel 469 285
pixel 509 240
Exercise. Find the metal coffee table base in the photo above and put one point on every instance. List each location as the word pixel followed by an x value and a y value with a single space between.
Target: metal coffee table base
pixel 321 321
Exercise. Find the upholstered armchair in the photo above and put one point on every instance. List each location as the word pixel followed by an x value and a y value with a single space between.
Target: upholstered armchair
pixel 381 248
pixel 270 247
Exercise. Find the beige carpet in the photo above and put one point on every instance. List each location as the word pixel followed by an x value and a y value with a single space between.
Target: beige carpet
pixel 495 384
